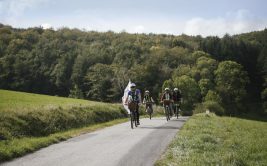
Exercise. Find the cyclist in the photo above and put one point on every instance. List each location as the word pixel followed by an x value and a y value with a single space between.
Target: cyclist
pixel 148 100
pixel 134 95
pixel 177 97
pixel 166 96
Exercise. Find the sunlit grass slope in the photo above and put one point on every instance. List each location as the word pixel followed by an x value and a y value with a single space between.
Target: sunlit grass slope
pixel 31 121
pixel 212 140
pixel 21 101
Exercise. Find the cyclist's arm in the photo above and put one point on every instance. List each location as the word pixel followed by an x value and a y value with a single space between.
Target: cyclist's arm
pixel 144 101
pixel 162 98
pixel 126 100
pixel 152 100
pixel 140 98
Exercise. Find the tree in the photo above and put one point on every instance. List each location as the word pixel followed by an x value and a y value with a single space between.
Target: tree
pixel 264 96
pixel 99 78
pixel 190 91
pixel 79 71
pixel 205 85
pixel 167 84
pixel 231 81
pixel 206 65
pixel 213 96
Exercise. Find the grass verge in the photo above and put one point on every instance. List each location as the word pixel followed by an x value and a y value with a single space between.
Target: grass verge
pixel 13 148
pixel 33 115
pixel 29 121
pixel 212 140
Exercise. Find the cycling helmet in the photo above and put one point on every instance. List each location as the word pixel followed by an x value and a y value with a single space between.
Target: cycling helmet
pixel 175 89
pixel 146 91
pixel 167 89
pixel 133 85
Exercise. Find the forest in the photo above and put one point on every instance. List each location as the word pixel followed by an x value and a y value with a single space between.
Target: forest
pixel 227 74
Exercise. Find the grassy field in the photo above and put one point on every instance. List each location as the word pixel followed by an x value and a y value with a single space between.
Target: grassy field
pixel 212 140
pixel 21 101
pixel 31 121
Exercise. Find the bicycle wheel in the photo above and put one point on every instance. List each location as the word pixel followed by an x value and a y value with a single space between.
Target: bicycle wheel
pixel 131 119
pixel 177 111
pixel 169 115
pixel 149 111
pixel 167 112
pixel 135 118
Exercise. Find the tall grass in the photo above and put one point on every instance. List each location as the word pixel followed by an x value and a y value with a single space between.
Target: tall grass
pixel 31 121
pixel 25 114
pixel 212 140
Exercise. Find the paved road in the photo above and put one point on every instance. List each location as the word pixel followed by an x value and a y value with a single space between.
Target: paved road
pixel 113 146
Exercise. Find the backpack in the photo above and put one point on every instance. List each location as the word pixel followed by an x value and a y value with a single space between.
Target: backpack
pixel 134 96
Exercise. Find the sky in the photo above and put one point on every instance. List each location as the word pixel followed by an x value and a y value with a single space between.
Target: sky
pixel 191 17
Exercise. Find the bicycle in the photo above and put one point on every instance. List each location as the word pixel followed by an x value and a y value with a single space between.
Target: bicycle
pixel 176 109
pixel 133 115
pixel 149 109
pixel 167 108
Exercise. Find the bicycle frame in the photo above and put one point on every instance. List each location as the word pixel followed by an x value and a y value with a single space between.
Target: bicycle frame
pixel 167 112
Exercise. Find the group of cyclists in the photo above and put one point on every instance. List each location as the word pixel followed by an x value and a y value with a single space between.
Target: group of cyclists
pixel 174 99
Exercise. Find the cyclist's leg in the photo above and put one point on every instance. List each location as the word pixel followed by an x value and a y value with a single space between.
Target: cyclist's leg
pixel 146 107
pixel 172 109
pixel 177 108
pixel 168 110
pixel 132 118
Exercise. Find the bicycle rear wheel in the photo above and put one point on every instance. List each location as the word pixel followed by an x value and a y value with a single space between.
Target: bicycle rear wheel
pixel 131 119
pixel 149 111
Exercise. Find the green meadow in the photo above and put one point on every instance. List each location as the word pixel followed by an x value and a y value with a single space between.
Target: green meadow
pixel 32 121
pixel 213 140
pixel 22 101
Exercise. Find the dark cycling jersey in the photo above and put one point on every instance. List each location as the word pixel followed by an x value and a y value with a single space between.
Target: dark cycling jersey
pixel 176 96
pixel 135 95
pixel 148 99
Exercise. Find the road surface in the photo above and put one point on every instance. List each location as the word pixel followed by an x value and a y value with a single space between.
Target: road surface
pixel 117 145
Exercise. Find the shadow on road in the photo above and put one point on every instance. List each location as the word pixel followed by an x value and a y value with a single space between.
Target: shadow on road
pixel 180 120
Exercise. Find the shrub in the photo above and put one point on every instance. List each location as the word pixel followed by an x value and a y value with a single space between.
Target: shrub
pixel 44 122
pixel 200 108
pixel 214 107
pixel 187 113
pixel 190 91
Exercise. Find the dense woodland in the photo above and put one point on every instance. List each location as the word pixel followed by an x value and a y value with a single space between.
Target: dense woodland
pixel 227 74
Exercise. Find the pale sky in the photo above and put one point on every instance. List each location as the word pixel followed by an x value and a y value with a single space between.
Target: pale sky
pixel 191 17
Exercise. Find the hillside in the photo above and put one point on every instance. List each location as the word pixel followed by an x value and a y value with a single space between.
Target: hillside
pixel 22 101
pixel 26 114
pixel 31 121
pixel 97 65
